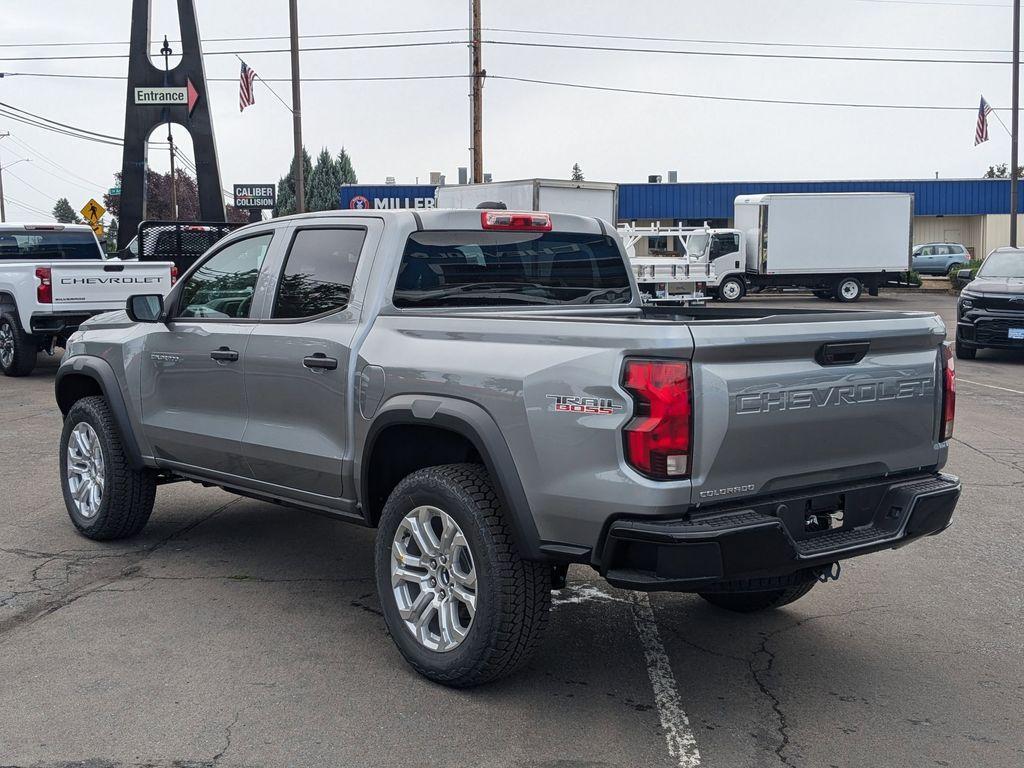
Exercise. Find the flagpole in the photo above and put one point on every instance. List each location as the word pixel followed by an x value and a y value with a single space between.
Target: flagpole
pixel 1014 123
pixel 256 75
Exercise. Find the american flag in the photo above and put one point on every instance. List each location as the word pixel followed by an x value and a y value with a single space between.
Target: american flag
pixel 981 131
pixel 245 93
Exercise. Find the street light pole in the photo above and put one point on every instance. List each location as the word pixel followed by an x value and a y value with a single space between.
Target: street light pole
pixel 1014 124
pixel 300 182
pixel 3 210
pixel 166 51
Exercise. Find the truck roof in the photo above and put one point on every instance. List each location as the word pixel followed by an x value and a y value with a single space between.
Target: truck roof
pixel 43 226
pixel 453 218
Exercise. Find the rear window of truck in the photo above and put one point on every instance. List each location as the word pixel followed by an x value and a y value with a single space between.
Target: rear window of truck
pixel 41 245
pixel 475 268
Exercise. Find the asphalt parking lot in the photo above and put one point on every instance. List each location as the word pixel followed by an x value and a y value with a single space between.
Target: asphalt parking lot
pixel 233 632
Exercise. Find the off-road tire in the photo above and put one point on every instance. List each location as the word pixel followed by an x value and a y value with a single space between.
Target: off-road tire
pixel 513 594
pixel 964 352
pixel 128 494
pixel 749 602
pixel 26 349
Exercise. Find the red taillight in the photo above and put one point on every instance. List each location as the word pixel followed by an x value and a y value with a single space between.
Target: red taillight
pixel 948 392
pixel 515 220
pixel 659 436
pixel 174 273
pixel 44 291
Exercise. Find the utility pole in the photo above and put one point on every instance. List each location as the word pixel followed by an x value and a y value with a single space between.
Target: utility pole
pixel 166 51
pixel 3 211
pixel 476 94
pixel 300 182
pixel 1014 124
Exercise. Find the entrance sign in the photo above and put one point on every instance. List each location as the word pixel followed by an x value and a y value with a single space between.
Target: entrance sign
pixel 161 96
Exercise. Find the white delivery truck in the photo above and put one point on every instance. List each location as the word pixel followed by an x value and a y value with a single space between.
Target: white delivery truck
pixel 583 198
pixel 836 245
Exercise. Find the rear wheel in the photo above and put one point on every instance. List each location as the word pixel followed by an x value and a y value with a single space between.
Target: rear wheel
pixel 731 289
pixel 953 269
pixel 749 602
pixel 460 603
pixel 849 289
pixel 964 352
pixel 18 350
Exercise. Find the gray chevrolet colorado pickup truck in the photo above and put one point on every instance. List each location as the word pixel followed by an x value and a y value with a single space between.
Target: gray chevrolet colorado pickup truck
pixel 486 389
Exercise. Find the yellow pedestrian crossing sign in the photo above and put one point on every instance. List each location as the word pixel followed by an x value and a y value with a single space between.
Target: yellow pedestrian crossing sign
pixel 97 227
pixel 93 212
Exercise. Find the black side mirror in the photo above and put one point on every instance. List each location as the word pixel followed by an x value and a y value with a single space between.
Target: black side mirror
pixel 145 308
pixel 963 274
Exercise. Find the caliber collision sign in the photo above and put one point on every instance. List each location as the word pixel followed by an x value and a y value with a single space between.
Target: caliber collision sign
pixel 258 196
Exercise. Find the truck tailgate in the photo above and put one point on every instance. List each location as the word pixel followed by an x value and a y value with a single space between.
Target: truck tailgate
pixel 785 404
pixel 105 285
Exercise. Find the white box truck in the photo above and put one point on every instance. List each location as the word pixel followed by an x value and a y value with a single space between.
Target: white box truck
pixel 836 245
pixel 583 198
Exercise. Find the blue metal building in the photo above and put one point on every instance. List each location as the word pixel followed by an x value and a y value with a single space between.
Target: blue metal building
pixel 714 200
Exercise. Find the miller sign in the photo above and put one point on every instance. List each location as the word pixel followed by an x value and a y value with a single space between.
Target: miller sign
pixel 362 202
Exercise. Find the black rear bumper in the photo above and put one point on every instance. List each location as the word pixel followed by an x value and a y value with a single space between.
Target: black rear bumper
pixel 769 539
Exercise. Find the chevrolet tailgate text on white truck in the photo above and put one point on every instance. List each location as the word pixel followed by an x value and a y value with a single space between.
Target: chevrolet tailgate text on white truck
pixel 52 278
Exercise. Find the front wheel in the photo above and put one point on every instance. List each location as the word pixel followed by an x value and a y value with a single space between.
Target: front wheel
pixel 459 601
pixel 849 289
pixel 963 352
pixel 18 350
pixel 749 602
pixel 105 496
pixel 731 289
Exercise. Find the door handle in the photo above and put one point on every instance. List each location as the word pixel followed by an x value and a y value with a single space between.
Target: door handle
pixel 848 353
pixel 224 355
pixel 320 362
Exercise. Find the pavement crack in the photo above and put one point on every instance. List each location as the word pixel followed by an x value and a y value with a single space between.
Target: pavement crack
pixel 227 739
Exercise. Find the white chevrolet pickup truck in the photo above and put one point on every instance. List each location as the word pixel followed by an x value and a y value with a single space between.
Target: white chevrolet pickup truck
pixel 52 278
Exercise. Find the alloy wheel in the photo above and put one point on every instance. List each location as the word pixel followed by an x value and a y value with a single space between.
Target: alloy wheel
pixel 85 469
pixel 433 578
pixel 6 344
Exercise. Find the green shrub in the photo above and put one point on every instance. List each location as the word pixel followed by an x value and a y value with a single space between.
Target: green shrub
pixel 957 283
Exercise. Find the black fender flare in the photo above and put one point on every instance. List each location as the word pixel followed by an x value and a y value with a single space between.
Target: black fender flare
pixel 99 370
pixel 476 425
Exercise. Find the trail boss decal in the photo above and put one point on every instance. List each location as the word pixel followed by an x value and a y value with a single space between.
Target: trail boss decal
pixel 596 406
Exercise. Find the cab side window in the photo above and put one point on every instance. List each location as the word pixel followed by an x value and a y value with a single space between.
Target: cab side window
pixel 318 272
pixel 223 287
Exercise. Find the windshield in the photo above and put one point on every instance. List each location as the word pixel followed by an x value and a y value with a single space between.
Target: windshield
pixel 696 244
pixel 472 268
pixel 1005 264
pixel 37 245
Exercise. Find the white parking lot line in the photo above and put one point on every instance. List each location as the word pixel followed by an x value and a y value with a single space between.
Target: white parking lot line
pixel 990 386
pixel 681 743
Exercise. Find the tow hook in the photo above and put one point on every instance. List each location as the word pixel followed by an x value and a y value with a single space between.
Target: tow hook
pixel 830 573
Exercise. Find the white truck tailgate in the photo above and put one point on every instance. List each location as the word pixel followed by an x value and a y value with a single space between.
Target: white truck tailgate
pixel 104 285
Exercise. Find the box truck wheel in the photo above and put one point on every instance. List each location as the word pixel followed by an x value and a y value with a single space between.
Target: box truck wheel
pixel 849 289
pixel 732 289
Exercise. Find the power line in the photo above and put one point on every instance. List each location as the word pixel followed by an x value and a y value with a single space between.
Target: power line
pixel 377 46
pixel 760 43
pixel 743 54
pixel 25 206
pixel 707 97
pixel 37 124
pixel 382 78
pixel 39 155
pixel 246 39
pixel 12 174
pixel 57 122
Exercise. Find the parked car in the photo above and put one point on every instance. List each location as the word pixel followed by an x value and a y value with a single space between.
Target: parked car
pixel 486 389
pixel 53 277
pixel 939 258
pixel 990 311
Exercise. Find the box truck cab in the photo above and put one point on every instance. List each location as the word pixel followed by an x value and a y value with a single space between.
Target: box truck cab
pixel 836 245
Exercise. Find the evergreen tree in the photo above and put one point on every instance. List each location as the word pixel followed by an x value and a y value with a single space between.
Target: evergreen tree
pixel 286 186
pixel 324 183
pixel 577 172
pixel 346 172
pixel 64 213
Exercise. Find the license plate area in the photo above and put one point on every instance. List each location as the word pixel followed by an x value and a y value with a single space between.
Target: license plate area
pixel 1015 333
pixel 812 516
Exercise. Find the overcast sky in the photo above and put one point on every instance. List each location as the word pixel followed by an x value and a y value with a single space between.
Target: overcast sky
pixel 407 129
